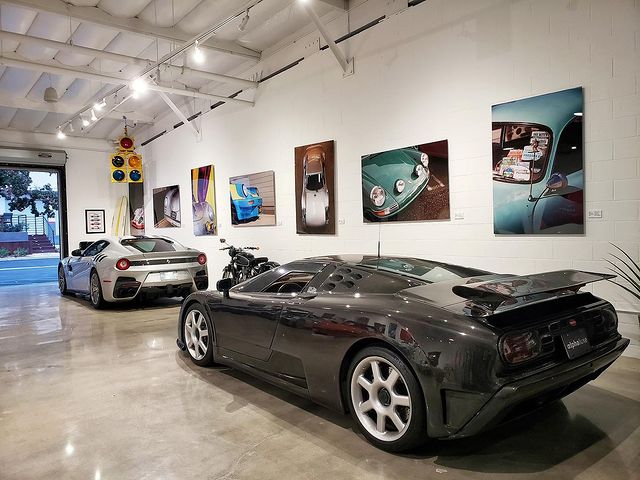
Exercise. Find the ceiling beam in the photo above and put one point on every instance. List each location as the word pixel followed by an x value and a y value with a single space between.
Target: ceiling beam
pixel 10 137
pixel 65 108
pixel 126 59
pixel 132 25
pixel 339 4
pixel 13 60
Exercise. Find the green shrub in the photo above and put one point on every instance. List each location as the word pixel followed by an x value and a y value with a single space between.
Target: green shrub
pixel 4 252
pixel 11 228
pixel 20 252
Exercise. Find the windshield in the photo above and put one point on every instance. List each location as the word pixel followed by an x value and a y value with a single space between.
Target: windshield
pixel 431 272
pixel 315 182
pixel 147 245
pixel 520 152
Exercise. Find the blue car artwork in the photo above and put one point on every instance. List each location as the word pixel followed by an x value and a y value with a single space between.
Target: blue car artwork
pixel 538 168
pixel 246 203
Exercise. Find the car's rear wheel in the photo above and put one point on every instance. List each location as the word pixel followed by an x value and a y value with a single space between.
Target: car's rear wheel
pixel 62 281
pixel 385 400
pixel 95 291
pixel 198 335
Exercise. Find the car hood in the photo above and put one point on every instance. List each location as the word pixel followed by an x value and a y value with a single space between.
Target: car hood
pixel 385 168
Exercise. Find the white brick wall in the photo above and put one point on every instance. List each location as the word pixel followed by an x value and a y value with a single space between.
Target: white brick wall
pixel 429 73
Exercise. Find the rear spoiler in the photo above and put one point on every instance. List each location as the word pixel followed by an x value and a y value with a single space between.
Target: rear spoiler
pixel 492 294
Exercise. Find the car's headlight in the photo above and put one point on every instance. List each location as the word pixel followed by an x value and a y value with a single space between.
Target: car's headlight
pixel 419 170
pixel 424 159
pixel 399 185
pixel 378 196
pixel 245 190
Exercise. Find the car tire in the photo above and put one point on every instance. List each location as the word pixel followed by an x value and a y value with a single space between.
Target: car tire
pixel 95 291
pixel 197 332
pixel 62 282
pixel 385 400
pixel 234 215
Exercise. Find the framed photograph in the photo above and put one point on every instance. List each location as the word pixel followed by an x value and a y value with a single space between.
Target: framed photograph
pixel 253 199
pixel 203 201
pixel 409 184
pixel 315 208
pixel 538 165
pixel 166 207
pixel 94 221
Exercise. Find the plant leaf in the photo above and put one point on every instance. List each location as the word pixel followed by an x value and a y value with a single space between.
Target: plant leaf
pixel 635 294
pixel 625 275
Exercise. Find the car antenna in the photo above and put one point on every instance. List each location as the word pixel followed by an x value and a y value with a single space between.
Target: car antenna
pixel 379 235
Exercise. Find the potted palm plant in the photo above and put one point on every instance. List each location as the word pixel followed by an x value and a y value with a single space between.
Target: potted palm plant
pixel 627 268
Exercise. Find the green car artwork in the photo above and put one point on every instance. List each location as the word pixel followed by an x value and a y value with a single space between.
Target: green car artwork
pixel 391 180
pixel 538 169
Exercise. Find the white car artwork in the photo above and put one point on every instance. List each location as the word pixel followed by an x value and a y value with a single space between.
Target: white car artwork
pixel 315 195
pixel 172 207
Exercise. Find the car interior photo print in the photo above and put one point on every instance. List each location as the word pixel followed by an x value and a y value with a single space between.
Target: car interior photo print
pixel 316 239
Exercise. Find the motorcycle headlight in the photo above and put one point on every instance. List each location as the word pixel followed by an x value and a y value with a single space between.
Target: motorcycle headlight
pixel 419 170
pixel 424 159
pixel 399 186
pixel 378 196
pixel 245 190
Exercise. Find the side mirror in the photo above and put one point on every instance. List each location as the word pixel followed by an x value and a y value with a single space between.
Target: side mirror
pixel 76 253
pixel 557 181
pixel 224 286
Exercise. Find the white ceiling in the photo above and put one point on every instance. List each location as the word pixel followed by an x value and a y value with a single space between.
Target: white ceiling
pixel 146 29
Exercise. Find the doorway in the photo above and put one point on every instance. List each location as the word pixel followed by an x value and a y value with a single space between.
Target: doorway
pixel 32 223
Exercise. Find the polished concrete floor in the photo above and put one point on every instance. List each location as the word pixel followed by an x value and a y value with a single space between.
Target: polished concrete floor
pixel 107 395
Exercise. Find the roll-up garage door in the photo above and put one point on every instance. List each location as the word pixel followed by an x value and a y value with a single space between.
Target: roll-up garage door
pixel 29 156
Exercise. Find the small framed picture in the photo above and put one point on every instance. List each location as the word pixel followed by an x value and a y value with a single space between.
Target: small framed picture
pixel 94 221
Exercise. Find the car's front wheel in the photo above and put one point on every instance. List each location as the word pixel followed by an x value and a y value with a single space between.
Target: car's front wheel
pixel 95 291
pixel 198 335
pixel 385 400
pixel 62 281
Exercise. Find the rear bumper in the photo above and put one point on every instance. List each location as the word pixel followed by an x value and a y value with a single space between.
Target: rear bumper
pixel 148 285
pixel 527 394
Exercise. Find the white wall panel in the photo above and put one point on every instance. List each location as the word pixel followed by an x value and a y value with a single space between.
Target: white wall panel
pixel 429 73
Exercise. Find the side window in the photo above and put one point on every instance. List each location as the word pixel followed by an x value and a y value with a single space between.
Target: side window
pixel 95 248
pixel 292 282
pixel 569 152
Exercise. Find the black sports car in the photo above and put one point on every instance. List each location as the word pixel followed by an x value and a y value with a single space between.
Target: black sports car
pixel 414 349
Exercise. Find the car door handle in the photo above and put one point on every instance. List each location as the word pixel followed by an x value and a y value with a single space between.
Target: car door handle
pixel 307 295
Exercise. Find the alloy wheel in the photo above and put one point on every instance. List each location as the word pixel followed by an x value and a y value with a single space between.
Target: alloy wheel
pixel 62 283
pixel 381 399
pixel 196 334
pixel 95 289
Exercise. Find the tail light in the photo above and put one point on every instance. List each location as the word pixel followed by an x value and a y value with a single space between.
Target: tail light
pixel 519 347
pixel 610 319
pixel 123 264
pixel 202 259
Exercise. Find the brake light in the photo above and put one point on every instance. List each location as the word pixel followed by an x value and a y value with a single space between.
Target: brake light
pixel 123 264
pixel 202 259
pixel 519 347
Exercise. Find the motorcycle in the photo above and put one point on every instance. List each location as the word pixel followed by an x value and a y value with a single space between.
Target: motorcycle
pixel 243 264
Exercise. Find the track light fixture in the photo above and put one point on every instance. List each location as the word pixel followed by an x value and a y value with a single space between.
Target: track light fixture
pixel 198 54
pixel 85 122
pixel 60 134
pixel 139 85
pixel 243 23
pixel 100 105
pixel 93 116
pixel 71 129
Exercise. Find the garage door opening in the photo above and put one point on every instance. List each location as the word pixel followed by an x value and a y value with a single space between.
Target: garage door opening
pixel 32 221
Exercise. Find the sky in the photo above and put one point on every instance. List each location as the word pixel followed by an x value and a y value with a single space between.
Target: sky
pixel 42 178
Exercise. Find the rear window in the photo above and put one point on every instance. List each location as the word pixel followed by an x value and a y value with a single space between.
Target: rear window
pixel 147 245
pixel 424 270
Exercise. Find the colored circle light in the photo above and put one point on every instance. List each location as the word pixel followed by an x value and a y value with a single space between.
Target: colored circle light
pixel 135 175
pixel 118 175
pixel 126 143
pixel 135 161
pixel 117 161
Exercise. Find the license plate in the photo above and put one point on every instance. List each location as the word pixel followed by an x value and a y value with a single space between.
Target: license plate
pixel 576 342
pixel 166 276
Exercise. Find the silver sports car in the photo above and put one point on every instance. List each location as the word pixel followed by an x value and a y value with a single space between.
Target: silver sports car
pixel 121 269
